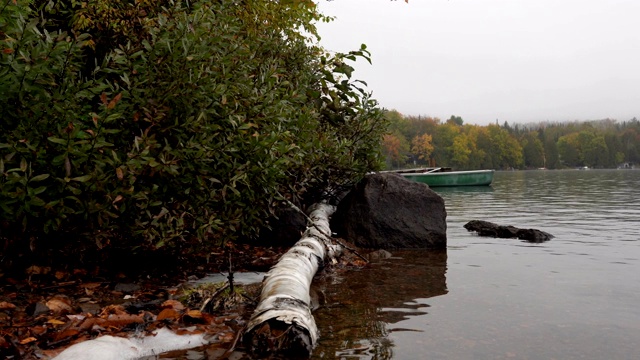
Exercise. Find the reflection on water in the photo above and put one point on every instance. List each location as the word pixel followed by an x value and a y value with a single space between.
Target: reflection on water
pixel 574 297
pixel 362 307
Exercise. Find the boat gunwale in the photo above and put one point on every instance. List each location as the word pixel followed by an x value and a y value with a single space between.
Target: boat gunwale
pixel 446 172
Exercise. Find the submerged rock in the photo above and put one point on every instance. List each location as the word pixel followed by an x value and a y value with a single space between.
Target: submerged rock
pixel 485 228
pixel 389 212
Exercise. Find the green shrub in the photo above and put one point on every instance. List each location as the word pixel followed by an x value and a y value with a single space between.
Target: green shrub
pixel 186 130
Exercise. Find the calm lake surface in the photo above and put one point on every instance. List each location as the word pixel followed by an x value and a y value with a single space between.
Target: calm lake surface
pixel 574 297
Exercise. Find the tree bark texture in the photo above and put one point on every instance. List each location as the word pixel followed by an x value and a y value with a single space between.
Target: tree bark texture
pixel 282 322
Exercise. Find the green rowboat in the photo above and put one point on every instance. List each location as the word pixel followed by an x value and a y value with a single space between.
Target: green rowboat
pixel 445 177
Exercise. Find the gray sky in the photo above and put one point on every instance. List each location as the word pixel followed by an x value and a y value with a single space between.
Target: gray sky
pixel 512 60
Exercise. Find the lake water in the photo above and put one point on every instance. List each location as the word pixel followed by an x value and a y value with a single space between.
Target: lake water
pixel 574 297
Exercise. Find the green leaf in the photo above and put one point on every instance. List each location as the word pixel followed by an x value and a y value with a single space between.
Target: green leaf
pixel 39 190
pixel 39 177
pixel 84 178
pixel 57 140
pixel 74 191
pixel 36 201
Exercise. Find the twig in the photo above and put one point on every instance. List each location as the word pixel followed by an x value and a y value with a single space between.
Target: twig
pixel 218 292
pixel 351 249
pixel 309 220
pixel 62 284
pixel 230 277
pixel 253 301
pixel 233 345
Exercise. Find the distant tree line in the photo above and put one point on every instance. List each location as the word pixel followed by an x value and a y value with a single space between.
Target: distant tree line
pixel 426 141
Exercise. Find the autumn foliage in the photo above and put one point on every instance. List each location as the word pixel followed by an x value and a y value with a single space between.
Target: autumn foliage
pixel 597 144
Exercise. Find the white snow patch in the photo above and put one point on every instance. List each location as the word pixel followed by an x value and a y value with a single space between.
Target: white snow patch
pixel 116 348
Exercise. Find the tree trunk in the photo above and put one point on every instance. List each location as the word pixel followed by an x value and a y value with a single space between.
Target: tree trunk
pixel 282 322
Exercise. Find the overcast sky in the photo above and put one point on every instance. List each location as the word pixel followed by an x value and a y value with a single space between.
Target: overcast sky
pixel 513 60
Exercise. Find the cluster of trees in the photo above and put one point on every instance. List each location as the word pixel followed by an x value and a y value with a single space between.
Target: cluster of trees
pixel 417 140
pixel 171 123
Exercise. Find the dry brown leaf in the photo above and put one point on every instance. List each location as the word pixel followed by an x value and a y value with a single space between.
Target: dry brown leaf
pixel 6 305
pixel 195 317
pixel 59 304
pixel 114 101
pixel 28 340
pixel 55 322
pixel 113 309
pixel 37 270
pixel 173 304
pixel 88 323
pixel 66 334
pixel 227 337
pixel 171 314
pixel 38 330
pixel 92 285
pixel 196 314
pixel 122 320
pixel 119 173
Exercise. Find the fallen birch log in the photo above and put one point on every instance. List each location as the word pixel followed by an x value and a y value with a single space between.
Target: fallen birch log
pixel 282 321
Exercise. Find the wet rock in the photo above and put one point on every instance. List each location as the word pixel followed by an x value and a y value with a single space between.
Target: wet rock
pixel 387 211
pixel 38 308
pixel 286 228
pixel 485 228
pixel 378 255
pixel 90 308
pixel 127 288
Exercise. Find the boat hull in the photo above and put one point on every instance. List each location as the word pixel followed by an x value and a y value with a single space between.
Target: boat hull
pixel 453 178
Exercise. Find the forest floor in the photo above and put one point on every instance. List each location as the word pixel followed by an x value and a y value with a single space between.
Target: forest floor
pixel 47 310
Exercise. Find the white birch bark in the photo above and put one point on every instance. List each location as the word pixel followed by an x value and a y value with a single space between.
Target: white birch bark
pixel 283 320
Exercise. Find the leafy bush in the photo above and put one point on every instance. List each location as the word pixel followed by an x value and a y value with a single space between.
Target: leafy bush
pixel 189 127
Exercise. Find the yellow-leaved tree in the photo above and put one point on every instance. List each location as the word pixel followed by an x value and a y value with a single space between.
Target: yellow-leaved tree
pixel 422 146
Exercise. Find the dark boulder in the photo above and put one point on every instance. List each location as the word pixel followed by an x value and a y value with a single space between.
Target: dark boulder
pixel 388 211
pixel 485 228
pixel 285 228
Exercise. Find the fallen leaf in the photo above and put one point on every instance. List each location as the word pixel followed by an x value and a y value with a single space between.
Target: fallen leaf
pixel 37 270
pixel 88 323
pixel 38 330
pixel 173 304
pixel 55 322
pixel 168 314
pixel 59 304
pixel 196 314
pixel 76 317
pixel 226 338
pixel 6 305
pixel 28 340
pixel 92 285
pixel 66 334
pixel 122 320
pixel 113 309
pixel 194 317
